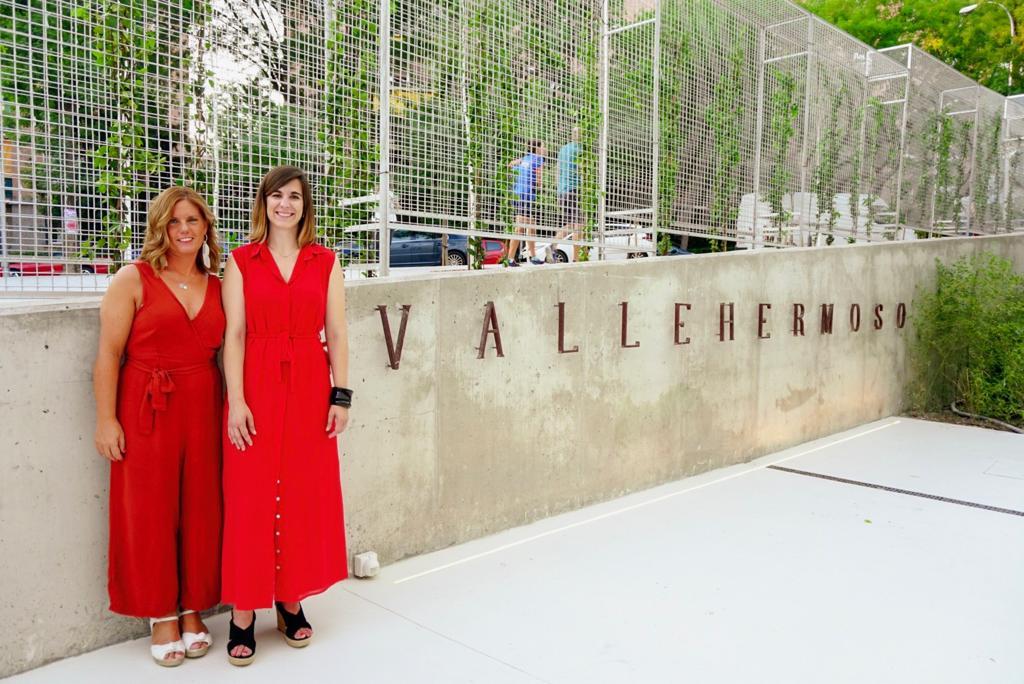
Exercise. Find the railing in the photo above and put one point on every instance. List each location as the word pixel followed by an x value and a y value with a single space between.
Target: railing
pixel 711 124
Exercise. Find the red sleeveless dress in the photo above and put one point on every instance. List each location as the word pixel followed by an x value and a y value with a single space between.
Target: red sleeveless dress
pixel 284 531
pixel 165 496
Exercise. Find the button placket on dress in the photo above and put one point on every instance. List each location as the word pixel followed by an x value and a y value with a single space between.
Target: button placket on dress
pixel 286 376
pixel 277 524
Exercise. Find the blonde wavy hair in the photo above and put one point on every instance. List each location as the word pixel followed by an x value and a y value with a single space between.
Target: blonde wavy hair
pixel 157 244
pixel 273 182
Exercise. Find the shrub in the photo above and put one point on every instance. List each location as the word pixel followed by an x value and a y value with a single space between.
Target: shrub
pixel 969 340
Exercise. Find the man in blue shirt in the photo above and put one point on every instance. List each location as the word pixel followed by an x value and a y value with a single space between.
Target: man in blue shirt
pixel 569 193
pixel 529 172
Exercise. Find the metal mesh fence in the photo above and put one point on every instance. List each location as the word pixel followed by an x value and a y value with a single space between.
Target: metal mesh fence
pixel 620 126
pixel 97 116
pixel 1013 164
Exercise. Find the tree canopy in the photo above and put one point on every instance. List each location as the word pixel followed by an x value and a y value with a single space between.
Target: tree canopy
pixel 977 45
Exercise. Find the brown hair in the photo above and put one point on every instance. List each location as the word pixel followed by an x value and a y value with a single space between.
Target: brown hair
pixel 157 243
pixel 273 182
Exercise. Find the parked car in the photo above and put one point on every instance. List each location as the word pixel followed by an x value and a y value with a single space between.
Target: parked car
pixel 34 268
pixel 494 250
pixel 633 246
pixel 415 248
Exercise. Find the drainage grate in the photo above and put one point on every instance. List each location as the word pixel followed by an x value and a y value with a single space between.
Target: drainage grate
pixel 896 490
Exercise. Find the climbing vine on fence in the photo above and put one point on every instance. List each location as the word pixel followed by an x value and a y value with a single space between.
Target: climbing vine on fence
pixel 943 146
pixel 46 113
pixel 675 55
pixel 725 119
pixel 857 164
pixel 126 49
pixel 349 130
pixel 863 182
pixel 475 103
pixel 785 110
pixel 494 113
pixel 963 170
pixel 986 173
pixel 828 159
pixel 1015 162
pixel 924 166
pixel 590 133
pixel 874 126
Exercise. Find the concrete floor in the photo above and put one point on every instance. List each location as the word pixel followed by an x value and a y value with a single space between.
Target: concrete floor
pixel 747 574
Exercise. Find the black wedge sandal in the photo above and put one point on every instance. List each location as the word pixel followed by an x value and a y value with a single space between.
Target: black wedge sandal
pixel 241 637
pixel 290 623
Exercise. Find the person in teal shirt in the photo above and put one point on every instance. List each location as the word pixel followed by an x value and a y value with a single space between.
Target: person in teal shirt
pixel 569 193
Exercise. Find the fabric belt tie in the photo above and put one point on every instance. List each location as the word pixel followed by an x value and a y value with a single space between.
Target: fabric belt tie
pixel 159 389
pixel 284 347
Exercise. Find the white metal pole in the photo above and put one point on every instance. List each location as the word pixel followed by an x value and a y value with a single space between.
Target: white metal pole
pixel 1006 154
pixel 467 127
pixel 805 201
pixel 213 140
pixel 756 234
pixel 903 149
pixel 940 122
pixel 384 72
pixel 4 254
pixel 328 13
pixel 656 126
pixel 602 143
pixel 861 140
pixel 971 199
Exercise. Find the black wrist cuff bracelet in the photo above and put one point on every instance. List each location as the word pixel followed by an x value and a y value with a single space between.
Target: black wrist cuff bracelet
pixel 341 396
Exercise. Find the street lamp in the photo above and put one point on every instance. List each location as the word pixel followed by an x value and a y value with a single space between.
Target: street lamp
pixel 964 11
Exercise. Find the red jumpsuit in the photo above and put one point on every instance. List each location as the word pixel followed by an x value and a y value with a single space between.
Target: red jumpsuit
pixel 284 531
pixel 165 496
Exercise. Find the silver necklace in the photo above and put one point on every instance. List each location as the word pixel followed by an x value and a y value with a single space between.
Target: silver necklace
pixel 182 285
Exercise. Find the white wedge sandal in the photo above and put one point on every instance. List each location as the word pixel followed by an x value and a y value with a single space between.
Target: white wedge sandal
pixel 193 638
pixel 161 651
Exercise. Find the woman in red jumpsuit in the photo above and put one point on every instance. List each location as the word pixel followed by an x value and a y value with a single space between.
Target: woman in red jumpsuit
pixel 284 532
pixel 158 410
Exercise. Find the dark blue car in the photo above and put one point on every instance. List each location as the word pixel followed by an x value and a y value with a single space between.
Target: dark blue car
pixel 410 248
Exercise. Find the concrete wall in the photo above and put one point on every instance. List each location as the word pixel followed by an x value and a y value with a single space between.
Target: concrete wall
pixel 450 447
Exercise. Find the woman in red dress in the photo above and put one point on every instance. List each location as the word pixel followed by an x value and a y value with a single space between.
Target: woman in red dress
pixel 158 413
pixel 284 532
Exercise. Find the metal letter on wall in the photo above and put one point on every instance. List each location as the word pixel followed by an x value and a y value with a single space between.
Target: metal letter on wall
pixel 490 327
pixel 561 331
pixel 723 321
pixel 762 309
pixel 679 322
pixel 826 318
pixel 622 339
pixel 798 320
pixel 901 315
pixel 394 351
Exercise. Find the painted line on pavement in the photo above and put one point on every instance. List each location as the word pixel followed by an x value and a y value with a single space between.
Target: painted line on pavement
pixel 897 490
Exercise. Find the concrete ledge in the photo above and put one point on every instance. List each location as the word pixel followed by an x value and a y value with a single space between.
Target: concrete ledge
pixel 450 447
